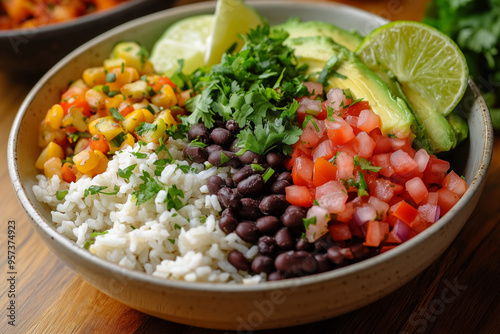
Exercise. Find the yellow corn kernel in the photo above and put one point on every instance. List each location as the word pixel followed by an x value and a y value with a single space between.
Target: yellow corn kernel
pixel 133 120
pixel 148 116
pixel 46 134
pixel 95 98
pixel 85 161
pixel 134 55
pixel 54 116
pixel 75 118
pixel 78 84
pixel 51 150
pixel 114 102
pixel 136 90
pixel 102 163
pixel 122 76
pixel 94 76
pixel 167 116
pixel 111 63
pixel 165 97
pixel 52 167
pixel 81 144
pixel 107 126
pixel 153 136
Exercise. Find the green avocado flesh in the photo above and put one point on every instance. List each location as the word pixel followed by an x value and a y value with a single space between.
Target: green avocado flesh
pixel 351 73
pixel 295 28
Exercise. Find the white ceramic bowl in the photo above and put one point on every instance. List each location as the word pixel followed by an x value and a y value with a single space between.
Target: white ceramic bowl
pixel 225 306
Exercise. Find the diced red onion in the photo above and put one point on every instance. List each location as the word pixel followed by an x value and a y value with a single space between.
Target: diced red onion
pixel 421 158
pixel 438 213
pixel 307 104
pixel 401 230
pixel 314 88
pixel 364 214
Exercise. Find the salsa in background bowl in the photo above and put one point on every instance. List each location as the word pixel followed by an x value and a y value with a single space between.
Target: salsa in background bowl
pixel 228 306
pixel 33 51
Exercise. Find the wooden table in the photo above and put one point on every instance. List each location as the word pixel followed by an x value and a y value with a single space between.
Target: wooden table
pixel 52 299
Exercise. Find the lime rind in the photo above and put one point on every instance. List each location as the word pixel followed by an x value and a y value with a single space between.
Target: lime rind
pixel 429 65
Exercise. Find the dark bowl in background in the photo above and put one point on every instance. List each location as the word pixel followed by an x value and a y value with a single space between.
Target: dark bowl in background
pixel 33 51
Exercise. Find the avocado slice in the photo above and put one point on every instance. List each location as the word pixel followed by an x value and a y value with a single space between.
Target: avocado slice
pixel 349 72
pixel 295 28
pixel 433 130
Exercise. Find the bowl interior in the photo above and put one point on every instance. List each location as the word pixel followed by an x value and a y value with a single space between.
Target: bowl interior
pixel 472 157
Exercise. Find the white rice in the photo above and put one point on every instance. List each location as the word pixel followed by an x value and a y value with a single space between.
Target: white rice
pixel 164 243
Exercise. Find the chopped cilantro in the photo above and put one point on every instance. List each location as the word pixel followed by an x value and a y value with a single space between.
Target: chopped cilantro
pixel 269 172
pixel 92 239
pixel 365 164
pixel 61 194
pixel 110 77
pixel 309 221
pixel 147 190
pixel 173 198
pixel 118 140
pixel 127 172
pixel 145 127
pixel 391 135
pixel 176 226
pixel 116 114
pixel 93 190
pixel 257 168
pixel 223 158
pixel 172 241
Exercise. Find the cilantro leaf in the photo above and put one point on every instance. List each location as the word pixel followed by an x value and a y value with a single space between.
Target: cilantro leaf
pixel 365 164
pixel 127 172
pixel 147 190
pixel 173 198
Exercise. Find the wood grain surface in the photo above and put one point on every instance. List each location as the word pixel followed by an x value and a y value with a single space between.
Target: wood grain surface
pixel 458 293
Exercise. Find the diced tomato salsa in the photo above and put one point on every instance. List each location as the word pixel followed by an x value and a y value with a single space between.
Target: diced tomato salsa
pixel 372 186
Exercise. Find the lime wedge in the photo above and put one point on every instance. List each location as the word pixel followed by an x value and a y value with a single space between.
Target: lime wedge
pixel 232 17
pixel 429 66
pixel 185 39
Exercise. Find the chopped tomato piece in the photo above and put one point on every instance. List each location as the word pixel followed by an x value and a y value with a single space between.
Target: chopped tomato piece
pixel 368 120
pixel 75 97
pixel 302 171
pixel 402 162
pixel 446 200
pixel 340 231
pixel 455 183
pixel 417 190
pixel 98 142
pixel 67 173
pixel 324 171
pixel 323 150
pixel 339 131
pixel 405 212
pixel 299 195
pixel 376 232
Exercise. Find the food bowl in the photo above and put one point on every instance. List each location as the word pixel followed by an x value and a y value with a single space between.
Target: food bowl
pixel 34 51
pixel 232 306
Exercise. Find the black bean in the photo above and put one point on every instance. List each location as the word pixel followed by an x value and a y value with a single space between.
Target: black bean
pixel 263 264
pixel 238 260
pixel 222 137
pixel 266 245
pixel 322 244
pixel 360 252
pixel 214 148
pixel 303 245
pixel 232 126
pixel 285 176
pixel 278 186
pixel 268 225
pixel 250 157
pixel 292 218
pixel 219 123
pixel 275 276
pixel 233 148
pixel 214 184
pixel 284 239
pixel 228 223
pixel 249 209
pixel 274 160
pixel 298 263
pixel 199 131
pixel 229 182
pixel 252 185
pixel 273 204
pixel 195 153
pixel 247 231
pixel 228 197
pixel 223 159
pixel 323 263
pixel 243 173
pixel 335 255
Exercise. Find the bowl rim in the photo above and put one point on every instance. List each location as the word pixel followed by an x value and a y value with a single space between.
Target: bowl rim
pixel 41 223
pixel 74 23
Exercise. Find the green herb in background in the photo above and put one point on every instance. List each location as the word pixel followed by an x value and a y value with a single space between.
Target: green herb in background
pixel 475 26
